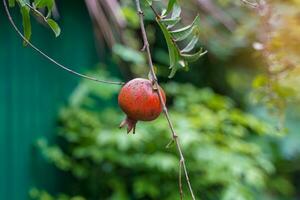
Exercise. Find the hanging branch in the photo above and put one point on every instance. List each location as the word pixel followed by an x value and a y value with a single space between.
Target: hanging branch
pixel 180 181
pixel 48 57
pixel 165 110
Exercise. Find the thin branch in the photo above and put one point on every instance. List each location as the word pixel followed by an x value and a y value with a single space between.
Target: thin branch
pixel 48 57
pixel 156 86
pixel 180 181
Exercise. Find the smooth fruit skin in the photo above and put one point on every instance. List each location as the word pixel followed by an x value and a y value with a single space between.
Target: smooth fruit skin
pixel 140 102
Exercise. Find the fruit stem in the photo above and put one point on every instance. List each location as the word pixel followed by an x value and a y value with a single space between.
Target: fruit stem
pixel 165 110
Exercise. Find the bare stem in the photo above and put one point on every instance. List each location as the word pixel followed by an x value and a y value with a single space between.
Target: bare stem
pixel 180 181
pixel 48 57
pixel 165 110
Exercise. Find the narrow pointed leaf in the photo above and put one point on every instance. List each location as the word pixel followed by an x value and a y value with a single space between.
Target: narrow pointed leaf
pixel 173 51
pixel 176 11
pixel 174 70
pixel 171 4
pixel 193 57
pixel 163 13
pixel 181 64
pixel 183 33
pixel 25 11
pixel 170 21
pixel 54 26
pixel 175 14
pixel 191 45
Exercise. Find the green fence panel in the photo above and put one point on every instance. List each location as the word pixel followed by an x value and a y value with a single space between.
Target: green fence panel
pixel 31 92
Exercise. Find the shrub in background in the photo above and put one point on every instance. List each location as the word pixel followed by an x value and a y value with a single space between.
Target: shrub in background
pixel 221 143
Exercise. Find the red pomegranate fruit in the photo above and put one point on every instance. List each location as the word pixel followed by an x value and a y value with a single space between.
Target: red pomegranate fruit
pixel 140 102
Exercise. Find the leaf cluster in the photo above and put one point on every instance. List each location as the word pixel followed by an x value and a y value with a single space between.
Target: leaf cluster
pixel 167 22
pixel 27 8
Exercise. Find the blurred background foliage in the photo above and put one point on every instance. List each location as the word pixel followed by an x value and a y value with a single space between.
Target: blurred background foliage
pixel 236 109
pixel 227 150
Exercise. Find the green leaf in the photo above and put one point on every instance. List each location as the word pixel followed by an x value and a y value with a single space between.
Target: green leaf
pixel 45 4
pixel 179 65
pixel 11 3
pixel 170 6
pixel 183 33
pixel 193 57
pixel 178 59
pixel 25 11
pixel 191 45
pixel 175 13
pixel 173 51
pixel 54 26
pixel 170 21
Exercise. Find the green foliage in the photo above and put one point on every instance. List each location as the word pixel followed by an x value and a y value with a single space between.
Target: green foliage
pixel 25 11
pixel 45 4
pixel 27 8
pixel 43 195
pixel 179 58
pixel 272 94
pixel 54 26
pixel 218 140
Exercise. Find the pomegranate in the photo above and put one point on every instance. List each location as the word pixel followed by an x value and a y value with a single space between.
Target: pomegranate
pixel 140 102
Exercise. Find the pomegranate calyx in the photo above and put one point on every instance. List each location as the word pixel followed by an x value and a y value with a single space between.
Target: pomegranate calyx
pixel 130 123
